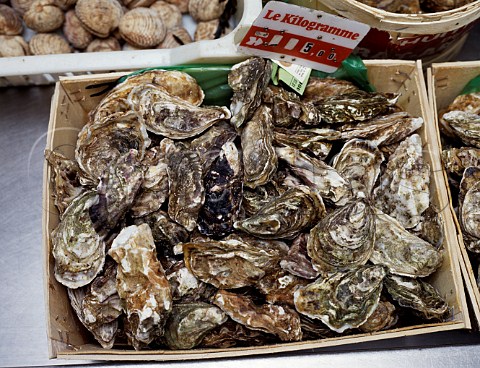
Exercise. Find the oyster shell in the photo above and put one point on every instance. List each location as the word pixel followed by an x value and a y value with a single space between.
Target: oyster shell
pixel 232 334
pixel 189 323
pixel 343 300
pixel 10 22
pixel 74 32
pixel 317 175
pixel 469 213
pixel 359 162
pixel 456 160
pixel 223 193
pixel 142 27
pixel 465 125
pixel 187 193
pixel 43 16
pixel 248 80
pixel 254 199
pixel 419 295
pixel 402 252
pixel 278 287
pixel 431 227
pixel 11 46
pixel 99 17
pixel 205 10
pixel 353 106
pixel 383 130
pixel 65 179
pixel 281 321
pixel 404 191
pixel 286 216
pixel 383 318
pixel 344 238
pixel 184 284
pixel 103 45
pixel 172 117
pixel 120 132
pixel 444 5
pixel 168 13
pixel 318 89
pixel 234 262
pixel 141 284
pixel 297 261
pixel 48 43
pixel 259 157
pixel 78 250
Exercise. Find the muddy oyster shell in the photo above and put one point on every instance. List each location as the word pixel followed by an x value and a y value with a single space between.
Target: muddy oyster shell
pixel 189 323
pixel 344 238
pixel 174 38
pixel 254 199
pixel 48 43
pixel 99 17
pixel 278 287
pixel 74 32
pixel 11 46
pixel 142 27
pixel 259 157
pixel 10 22
pixel 404 191
pixel 204 10
pixel 223 193
pixel 43 16
pixel 141 284
pixel 456 160
pixel 65 179
pixel 248 80
pixel 281 321
pixel 234 334
pixel 297 261
pixel 234 262
pixel 120 132
pixel 78 250
pixel 103 45
pixel 383 130
pixel 383 318
pixel 419 295
pixel 359 162
pixel 318 89
pixel 317 175
pixel 465 125
pixel 172 117
pixel 402 252
pixel 286 216
pixel 343 300
pixel 168 13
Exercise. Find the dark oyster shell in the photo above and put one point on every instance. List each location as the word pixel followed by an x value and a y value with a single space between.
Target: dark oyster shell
pixel 254 199
pixel 234 334
pixel 431 227
pixel 318 89
pixel 297 261
pixel 281 321
pixel 465 125
pixel 384 317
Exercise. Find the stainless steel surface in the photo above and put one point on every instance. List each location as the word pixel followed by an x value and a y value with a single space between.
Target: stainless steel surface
pixel 24 114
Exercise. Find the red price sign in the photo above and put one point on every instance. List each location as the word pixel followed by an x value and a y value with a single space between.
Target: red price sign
pixel 302 36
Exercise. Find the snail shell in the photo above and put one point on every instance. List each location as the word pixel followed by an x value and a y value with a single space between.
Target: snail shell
pixel 170 14
pixel 99 17
pixel 142 27
pixel 10 22
pixel 48 43
pixel 74 32
pixel 104 44
pixel 11 46
pixel 43 16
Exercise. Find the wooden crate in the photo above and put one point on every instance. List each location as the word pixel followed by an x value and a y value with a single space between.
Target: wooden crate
pixel 445 82
pixel 69 340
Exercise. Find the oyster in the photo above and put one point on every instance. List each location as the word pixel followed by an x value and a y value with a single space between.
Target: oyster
pixel 470 177
pixel 354 106
pixel 384 317
pixel 419 295
pixel 232 334
pixel 189 323
pixel 234 262
pixel 259 157
pixel 65 179
pixel 402 252
pixel 431 228
pixel 343 300
pixel 116 192
pixel 223 193
pixel 187 193
pixel 142 27
pixel 469 213
pixel 465 125
pixel 141 284
pixel 297 261
pixel 344 238
pixel 443 5
pixel 286 216
pixel 100 144
pixel 404 192
pixel 254 199
pixel 456 160
pixel 318 89
pixel 171 116
pixel 359 162
pixel 78 250
pixel 184 284
pixel 317 175
pixel 383 130
pixel 281 321
pixel 279 286
pixel 248 79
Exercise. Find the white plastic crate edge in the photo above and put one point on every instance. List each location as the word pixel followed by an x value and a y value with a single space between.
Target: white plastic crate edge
pixel 46 69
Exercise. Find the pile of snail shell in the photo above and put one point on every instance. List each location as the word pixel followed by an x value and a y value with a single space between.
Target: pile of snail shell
pixel 65 26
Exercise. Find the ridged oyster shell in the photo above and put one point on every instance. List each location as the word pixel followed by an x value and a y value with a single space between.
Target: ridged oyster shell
pixel 142 27
pixel 384 317
pixel 297 261
pixel 456 160
pixel 343 300
pixel 99 17
pixel 318 89
pixel 465 125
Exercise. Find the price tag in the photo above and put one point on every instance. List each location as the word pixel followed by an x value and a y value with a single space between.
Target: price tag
pixel 303 36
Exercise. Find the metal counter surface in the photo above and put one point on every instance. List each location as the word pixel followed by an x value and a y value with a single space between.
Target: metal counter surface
pixel 24 114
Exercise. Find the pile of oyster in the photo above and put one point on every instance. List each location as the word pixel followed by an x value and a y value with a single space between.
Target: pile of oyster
pixel 281 218
pixel 416 6
pixel 107 25
pixel 460 128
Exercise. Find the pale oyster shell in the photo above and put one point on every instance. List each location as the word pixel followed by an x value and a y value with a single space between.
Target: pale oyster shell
pixel 43 16
pixel 99 17
pixel 343 300
pixel 404 191
pixel 78 250
pixel 10 22
pixel 205 10
pixel 103 45
pixel 281 321
pixel 469 213
pixel 175 37
pixel 456 160
pixel 142 27
pixel 169 13
pixel 465 125
pixel 402 252
pixel 74 32
pixel 141 284
pixel 48 43
pixel 11 46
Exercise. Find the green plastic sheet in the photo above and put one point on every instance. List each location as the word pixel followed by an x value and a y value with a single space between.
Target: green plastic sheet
pixel 472 87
